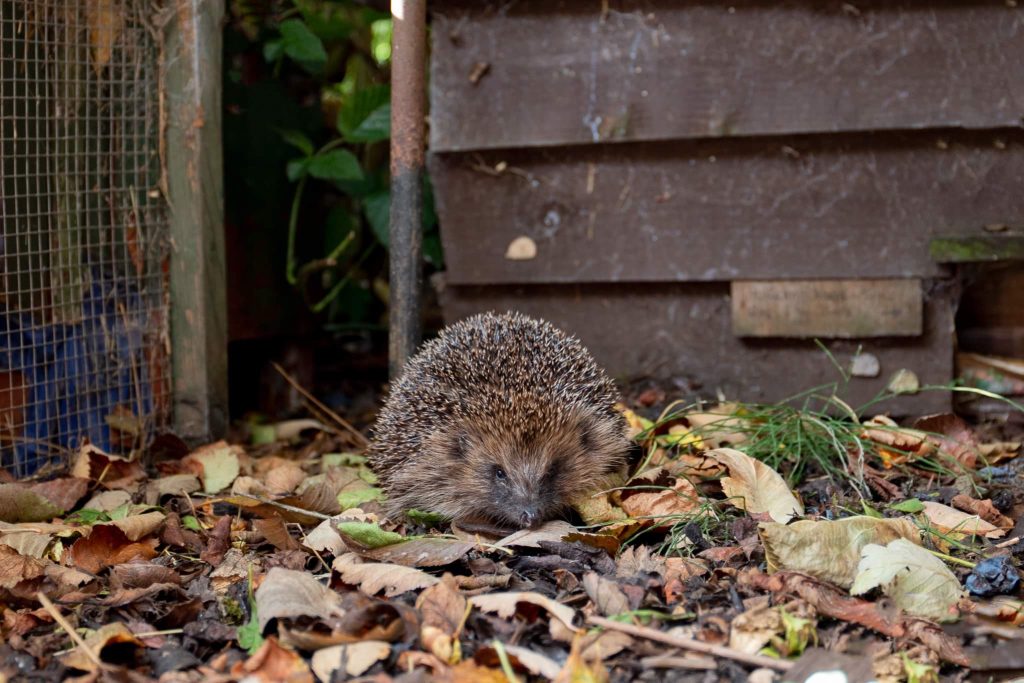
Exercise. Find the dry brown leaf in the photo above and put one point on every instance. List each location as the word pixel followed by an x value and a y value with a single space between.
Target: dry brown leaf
pixel 505 605
pixel 829 550
pixel 64 492
pixel 15 568
pixel 637 559
pixel 373 577
pixel 357 658
pixel 752 630
pixel 755 487
pixel 442 608
pixel 998 451
pixel 883 430
pixel 173 485
pixel 19 504
pixel 719 425
pixel 606 595
pixel 947 519
pixel 289 594
pixel 534 662
pixel 106 546
pixel 284 478
pixel 107 501
pixel 662 505
pixel 984 509
pixel 276 533
pixel 325 538
pixel 919 583
pixel 951 437
pixel 553 531
pixel 33 539
pixel 217 465
pixel 137 526
pixel 469 671
pixel 429 551
pixel 273 663
pixel 67 577
pixel 582 667
pixel 113 634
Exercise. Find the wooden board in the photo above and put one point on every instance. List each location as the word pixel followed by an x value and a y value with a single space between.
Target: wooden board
pixel 682 333
pixel 827 308
pixel 721 210
pixel 196 181
pixel 561 72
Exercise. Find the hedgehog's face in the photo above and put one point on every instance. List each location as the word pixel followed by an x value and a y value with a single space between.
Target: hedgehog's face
pixel 532 478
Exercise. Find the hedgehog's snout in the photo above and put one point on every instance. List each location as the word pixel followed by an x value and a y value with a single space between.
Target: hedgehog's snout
pixel 529 516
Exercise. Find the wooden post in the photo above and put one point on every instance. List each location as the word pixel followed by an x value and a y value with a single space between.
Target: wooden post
pixel 192 106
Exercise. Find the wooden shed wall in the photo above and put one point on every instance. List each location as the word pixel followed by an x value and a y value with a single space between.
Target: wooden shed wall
pixel 657 151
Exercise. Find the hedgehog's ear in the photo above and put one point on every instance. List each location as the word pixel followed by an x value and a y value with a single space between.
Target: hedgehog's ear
pixel 460 445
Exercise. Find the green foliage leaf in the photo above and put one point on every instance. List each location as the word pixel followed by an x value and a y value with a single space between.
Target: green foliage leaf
pixel 910 505
pixel 273 50
pixel 377 209
pixel 338 165
pixel 191 523
pixel 338 226
pixel 299 140
pixel 297 168
pixel 375 127
pixel 355 497
pixel 369 535
pixel 425 518
pixel 302 45
pixel 262 434
pixel 343 460
pixel 365 115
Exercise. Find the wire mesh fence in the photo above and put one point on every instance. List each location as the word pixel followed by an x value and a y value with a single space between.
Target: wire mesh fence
pixel 83 259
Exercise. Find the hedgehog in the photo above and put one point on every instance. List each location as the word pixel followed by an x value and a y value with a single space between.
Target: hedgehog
pixel 501 419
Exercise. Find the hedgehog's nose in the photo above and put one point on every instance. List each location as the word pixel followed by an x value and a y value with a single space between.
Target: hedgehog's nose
pixel 528 517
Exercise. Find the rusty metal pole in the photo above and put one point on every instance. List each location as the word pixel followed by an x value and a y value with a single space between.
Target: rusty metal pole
pixel 408 110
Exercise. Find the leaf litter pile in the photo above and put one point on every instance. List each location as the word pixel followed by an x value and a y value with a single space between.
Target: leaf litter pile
pixel 759 543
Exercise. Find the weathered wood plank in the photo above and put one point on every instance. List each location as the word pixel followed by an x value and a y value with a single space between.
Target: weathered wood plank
pixel 715 210
pixel 195 183
pixel 978 248
pixel 846 309
pixel 682 332
pixel 560 72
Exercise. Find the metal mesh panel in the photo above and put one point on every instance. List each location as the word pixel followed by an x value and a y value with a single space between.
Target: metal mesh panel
pixel 83 259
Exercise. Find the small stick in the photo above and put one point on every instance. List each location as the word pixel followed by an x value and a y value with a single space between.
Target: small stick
pixel 64 624
pixel 691 644
pixel 1007 543
pixel 360 438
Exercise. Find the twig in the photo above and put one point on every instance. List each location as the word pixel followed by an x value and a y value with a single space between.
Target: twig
pixel 360 439
pixel 1007 543
pixel 64 624
pixel 691 644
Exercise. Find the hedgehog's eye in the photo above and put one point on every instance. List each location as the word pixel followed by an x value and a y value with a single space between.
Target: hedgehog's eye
pixel 500 474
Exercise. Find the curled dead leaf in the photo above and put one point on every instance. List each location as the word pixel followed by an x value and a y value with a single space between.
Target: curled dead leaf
pixel 754 487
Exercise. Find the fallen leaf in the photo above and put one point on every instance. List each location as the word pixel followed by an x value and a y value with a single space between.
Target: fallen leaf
pixel 34 539
pixel 19 504
pixel 883 430
pixel 947 519
pixel 356 658
pixel 428 551
pixel 754 487
pixel 285 478
pixel 116 636
pixel 216 464
pixel 373 577
pixel 554 530
pixel 606 595
pixel 15 568
pixel 325 538
pixel 289 594
pixel 580 668
pixel 276 533
pixel 442 609
pixel 64 492
pixel 534 662
pixel 904 381
pixel 367 535
pixel 918 582
pixel 173 485
pixel 984 509
pixel 273 663
pixel 506 605
pixel 829 550
pixel 218 542
pixel 666 504
pixel 951 437
pixel 754 629
pixel 720 424
pixel 138 526
pixel 108 501
pixel 106 546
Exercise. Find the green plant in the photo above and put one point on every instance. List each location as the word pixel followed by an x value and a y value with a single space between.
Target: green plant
pixel 309 81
